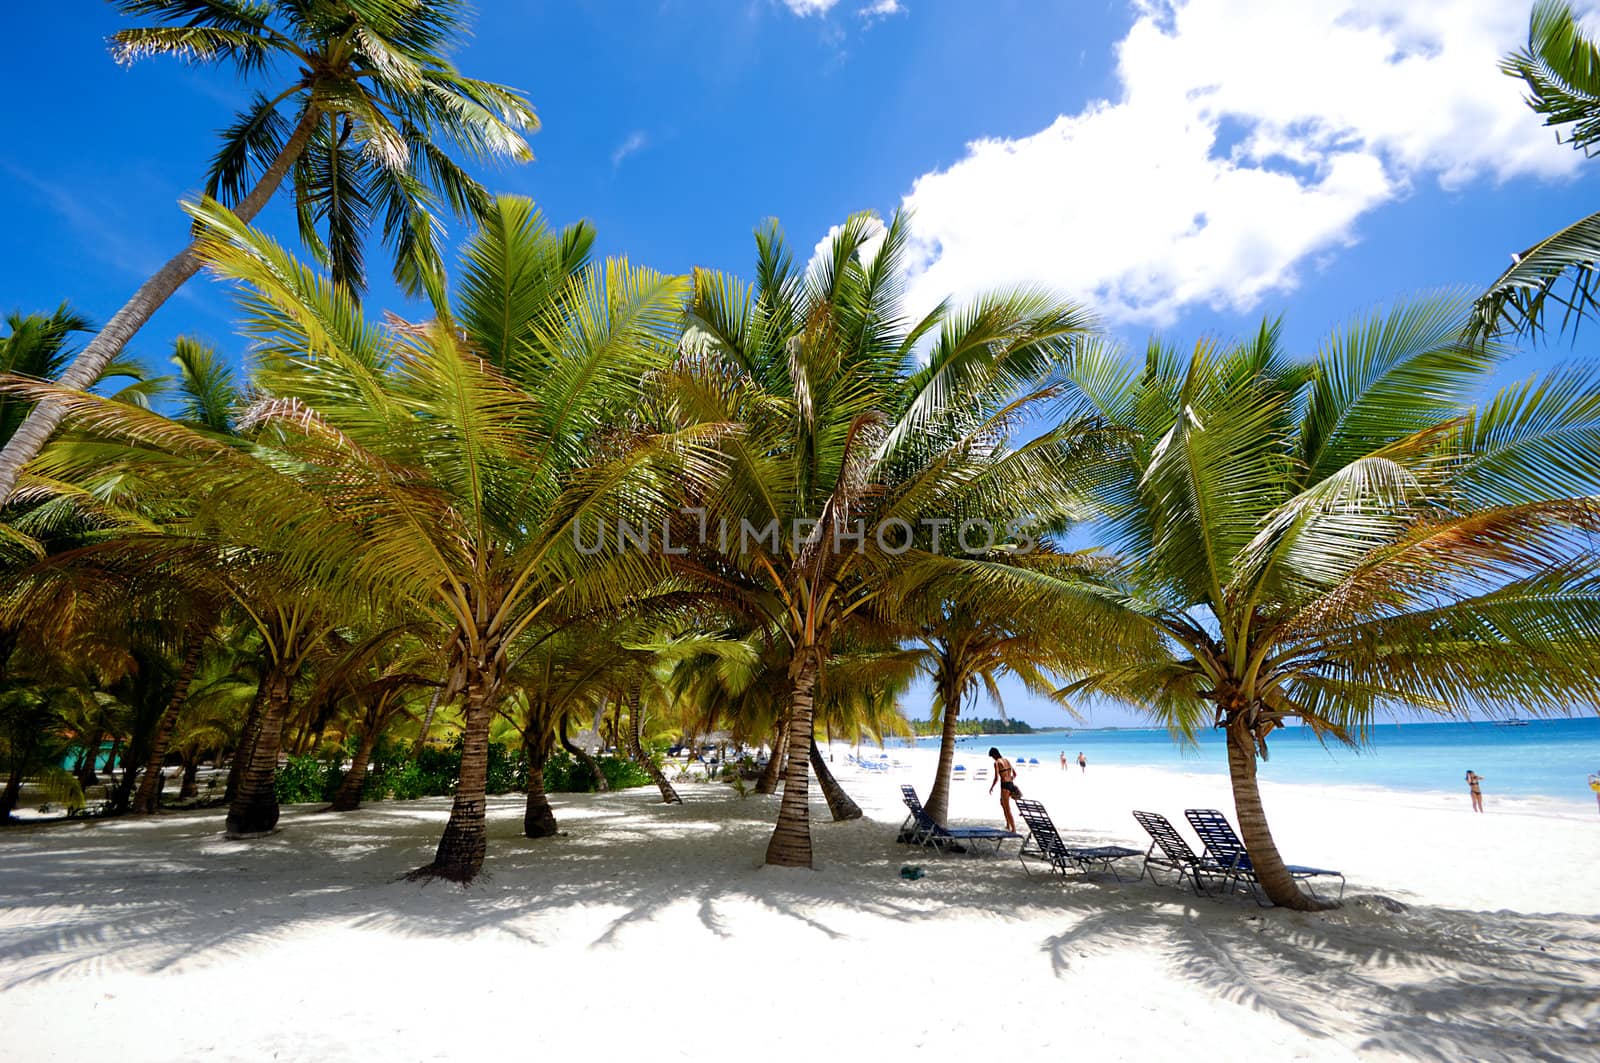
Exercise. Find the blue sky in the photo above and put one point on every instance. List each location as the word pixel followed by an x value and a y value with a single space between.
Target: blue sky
pixel 1184 167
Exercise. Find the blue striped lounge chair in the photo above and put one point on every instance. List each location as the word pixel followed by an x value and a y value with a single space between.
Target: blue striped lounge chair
pixel 920 828
pixel 1044 843
pixel 1227 851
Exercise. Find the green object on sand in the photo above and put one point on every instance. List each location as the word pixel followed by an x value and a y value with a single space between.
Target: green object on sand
pixel 911 871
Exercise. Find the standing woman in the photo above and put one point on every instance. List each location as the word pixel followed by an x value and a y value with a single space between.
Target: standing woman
pixel 1473 779
pixel 1006 776
pixel 1594 784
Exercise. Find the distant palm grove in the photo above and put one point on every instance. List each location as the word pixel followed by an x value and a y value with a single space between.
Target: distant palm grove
pixel 374 552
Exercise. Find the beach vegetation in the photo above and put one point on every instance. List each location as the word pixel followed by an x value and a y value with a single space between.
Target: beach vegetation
pixel 1366 531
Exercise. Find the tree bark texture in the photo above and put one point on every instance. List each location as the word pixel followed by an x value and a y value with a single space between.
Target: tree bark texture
pixel 839 802
pixel 1276 882
pixel 636 751
pixel 254 809
pixel 149 795
pixel 790 845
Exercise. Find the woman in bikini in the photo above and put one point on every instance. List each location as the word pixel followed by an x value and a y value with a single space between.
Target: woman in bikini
pixel 1006 776
pixel 1473 779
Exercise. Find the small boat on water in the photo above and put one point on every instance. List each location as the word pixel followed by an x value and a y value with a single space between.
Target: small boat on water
pixel 1513 722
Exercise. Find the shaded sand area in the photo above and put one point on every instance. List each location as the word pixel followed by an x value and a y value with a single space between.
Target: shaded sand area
pixel 650 930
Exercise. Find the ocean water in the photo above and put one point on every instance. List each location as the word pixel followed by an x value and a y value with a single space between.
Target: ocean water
pixel 1545 758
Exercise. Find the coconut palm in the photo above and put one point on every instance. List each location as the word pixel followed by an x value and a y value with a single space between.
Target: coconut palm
pixel 1327 540
pixel 1561 67
pixel 360 124
pixel 380 674
pixel 965 651
pixel 842 432
pixel 439 468
pixel 39 346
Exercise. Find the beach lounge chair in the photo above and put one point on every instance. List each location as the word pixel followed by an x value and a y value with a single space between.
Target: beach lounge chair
pixel 1175 854
pixel 1045 843
pixel 1224 847
pixel 958 773
pixel 920 828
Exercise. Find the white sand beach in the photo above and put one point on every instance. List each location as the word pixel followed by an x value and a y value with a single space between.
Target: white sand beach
pixel 650 930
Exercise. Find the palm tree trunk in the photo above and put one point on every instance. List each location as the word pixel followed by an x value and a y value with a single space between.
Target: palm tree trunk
pixel 13 790
pixel 466 837
pixel 601 783
pixel 254 810
pixel 636 751
pixel 247 740
pixel 768 783
pixel 191 768
pixel 427 722
pixel 149 795
pixel 791 838
pixel 1279 886
pixel 87 769
pixel 938 804
pixel 348 797
pixel 839 802
pixel 538 818
pixel 86 368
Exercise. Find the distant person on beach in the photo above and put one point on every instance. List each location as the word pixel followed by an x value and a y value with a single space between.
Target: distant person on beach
pixel 1063 760
pixel 1594 784
pixel 1006 776
pixel 1083 763
pixel 1473 779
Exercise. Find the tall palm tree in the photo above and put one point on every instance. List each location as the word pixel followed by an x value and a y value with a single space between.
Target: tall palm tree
pixel 359 124
pixel 1327 540
pixel 437 468
pixel 839 426
pixel 1561 67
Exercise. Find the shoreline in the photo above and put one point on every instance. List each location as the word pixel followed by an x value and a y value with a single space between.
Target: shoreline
pixel 1209 761
pixel 1533 854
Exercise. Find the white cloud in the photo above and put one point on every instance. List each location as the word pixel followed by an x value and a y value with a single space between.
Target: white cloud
pixel 805 8
pixel 636 141
pixel 866 252
pixel 1250 137
pixel 881 9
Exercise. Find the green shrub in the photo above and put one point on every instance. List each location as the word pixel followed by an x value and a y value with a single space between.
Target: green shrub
pixel 305 779
pixel 565 774
pixel 622 774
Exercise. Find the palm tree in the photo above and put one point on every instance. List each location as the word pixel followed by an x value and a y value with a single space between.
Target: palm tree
pixel 357 127
pixel 38 346
pixel 1326 540
pixel 376 675
pixel 965 650
pixel 1561 67
pixel 840 431
pixel 438 468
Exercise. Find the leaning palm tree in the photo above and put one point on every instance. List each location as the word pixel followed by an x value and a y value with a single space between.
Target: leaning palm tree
pixel 1323 541
pixel 850 454
pixel 1561 67
pixel 359 126
pixel 39 346
pixel 440 468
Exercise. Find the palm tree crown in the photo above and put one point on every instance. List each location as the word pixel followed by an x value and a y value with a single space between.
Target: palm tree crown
pixel 1320 541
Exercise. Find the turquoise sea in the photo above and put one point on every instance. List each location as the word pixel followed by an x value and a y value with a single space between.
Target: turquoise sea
pixel 1548 758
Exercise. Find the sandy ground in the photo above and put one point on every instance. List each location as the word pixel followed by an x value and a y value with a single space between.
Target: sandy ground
pixel 650 931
